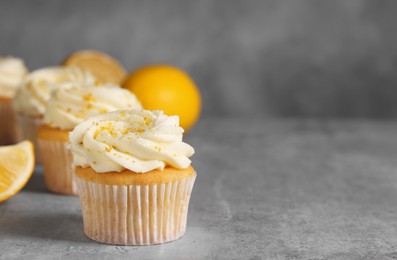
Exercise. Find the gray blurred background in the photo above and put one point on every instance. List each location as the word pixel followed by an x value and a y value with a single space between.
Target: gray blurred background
pixel 249 58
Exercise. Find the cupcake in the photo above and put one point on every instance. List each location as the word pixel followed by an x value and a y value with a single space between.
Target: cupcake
pixel 32 97
pixel 70 105
pixel 12 72
pixel 134 177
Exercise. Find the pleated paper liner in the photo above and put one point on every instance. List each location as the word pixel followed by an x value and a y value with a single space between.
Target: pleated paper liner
pixel 27 128
pixel 57 164
pixel 135 214
pixel 8 127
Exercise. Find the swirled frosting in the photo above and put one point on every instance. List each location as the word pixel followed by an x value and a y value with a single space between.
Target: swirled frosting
pixel 34 93
pixel 12 72
pixel 137 140
pixel 72 103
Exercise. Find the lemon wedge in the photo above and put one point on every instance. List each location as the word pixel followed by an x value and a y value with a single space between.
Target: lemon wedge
pixel 16 167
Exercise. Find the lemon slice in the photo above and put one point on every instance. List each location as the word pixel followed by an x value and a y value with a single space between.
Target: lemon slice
pixel 16 167
pixel 104 67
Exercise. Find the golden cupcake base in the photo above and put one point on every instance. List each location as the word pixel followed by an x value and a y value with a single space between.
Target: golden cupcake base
pixel 134 214
pixel 57 160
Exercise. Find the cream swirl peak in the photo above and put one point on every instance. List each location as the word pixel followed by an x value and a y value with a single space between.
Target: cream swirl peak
pixel 72 103
pixel 34 93
pixel 12 72
pixel 137 140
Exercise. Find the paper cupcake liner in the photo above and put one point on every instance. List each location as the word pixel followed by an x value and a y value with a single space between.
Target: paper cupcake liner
pixel 8 127
pixel 27 128
pixel 57 164
pixel 135 214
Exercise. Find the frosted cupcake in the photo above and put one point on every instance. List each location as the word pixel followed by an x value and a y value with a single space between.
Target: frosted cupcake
pixel 12 72
pixel 70 105
pixel 134 177
pixel 31 98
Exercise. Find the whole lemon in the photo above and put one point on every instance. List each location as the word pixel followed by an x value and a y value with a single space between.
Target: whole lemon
pixel 167 88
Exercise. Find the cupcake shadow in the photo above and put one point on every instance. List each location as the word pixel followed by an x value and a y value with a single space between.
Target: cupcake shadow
pixel 58 227
pixel 36 182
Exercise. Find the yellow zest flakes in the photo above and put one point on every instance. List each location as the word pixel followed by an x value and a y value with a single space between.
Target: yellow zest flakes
pixel 94 162
pixel 112 133
pixel 126 131
pixel 109 128
pixel 89 106
pixel 89 98
pixel 68 110
pixel 109 148
pixel 157 148
pixel 97 133
pixel 148 121
pixel 122 113
pixel 103 111
pixel 140 131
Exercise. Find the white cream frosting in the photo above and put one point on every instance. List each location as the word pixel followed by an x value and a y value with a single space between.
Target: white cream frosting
pixel 72 103
pixel 34 93
pixel 137 140
pixel 12 72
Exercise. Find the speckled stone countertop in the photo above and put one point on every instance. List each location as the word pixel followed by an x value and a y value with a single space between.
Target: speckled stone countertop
pixel 266 189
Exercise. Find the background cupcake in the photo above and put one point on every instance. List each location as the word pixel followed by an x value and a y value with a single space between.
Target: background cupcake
pixel 32 97
pixel 134 177
pixel 71 104
pixel 12 72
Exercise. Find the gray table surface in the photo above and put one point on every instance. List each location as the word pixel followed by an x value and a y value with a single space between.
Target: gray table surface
pixel 266 189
